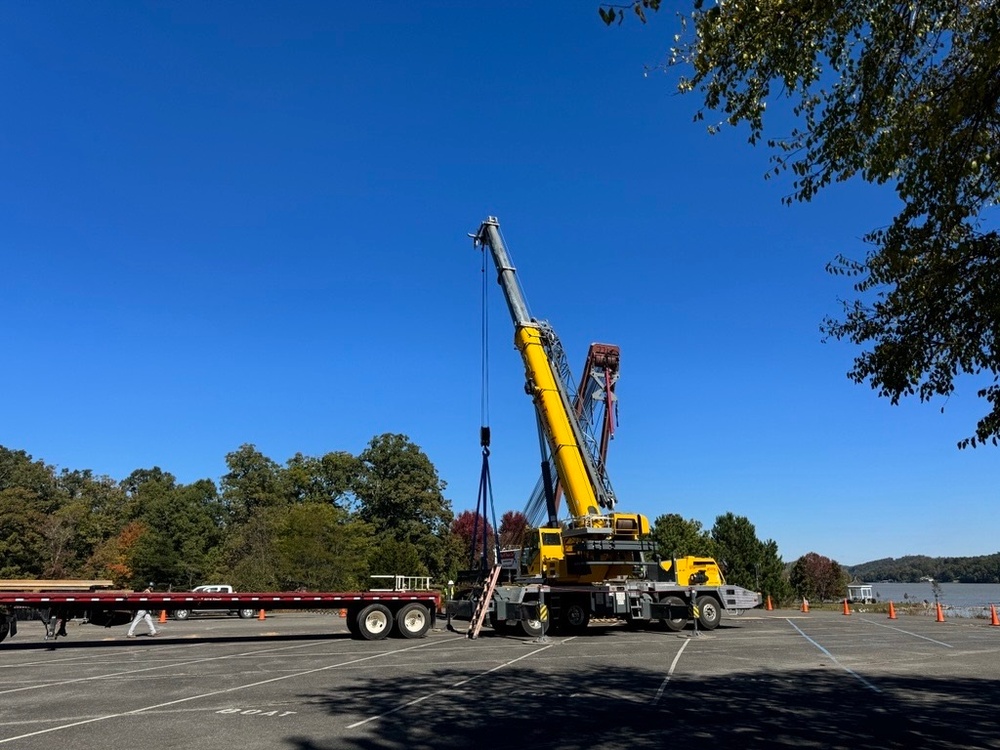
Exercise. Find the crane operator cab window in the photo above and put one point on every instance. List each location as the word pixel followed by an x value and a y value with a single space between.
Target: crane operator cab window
pixel 541 548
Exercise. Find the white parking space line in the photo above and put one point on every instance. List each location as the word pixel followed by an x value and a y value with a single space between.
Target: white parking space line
pixel 461 683
pixel 168 665
pixel 915 635
pixel 833 658
pixel 670 672
pixel 223 691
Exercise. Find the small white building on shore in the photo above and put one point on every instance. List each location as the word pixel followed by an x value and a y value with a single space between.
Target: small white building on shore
pixel 858 591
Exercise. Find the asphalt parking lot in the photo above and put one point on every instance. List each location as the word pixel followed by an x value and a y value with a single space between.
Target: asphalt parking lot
pixel 296 680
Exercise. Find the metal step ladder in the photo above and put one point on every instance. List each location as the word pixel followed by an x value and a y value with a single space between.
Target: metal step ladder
pixel 483 605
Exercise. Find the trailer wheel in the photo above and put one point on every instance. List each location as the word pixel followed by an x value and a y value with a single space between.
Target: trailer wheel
pixel 182 614
pixel 247 614
pixel 679 611
pixel 576 617
pixel 709 612
pixel 413 621
pixel 374 622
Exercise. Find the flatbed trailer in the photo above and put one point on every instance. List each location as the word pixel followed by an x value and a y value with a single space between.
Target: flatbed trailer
pixel 371 615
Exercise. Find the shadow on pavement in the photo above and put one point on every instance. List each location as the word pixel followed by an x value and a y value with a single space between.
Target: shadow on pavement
pixel 619 707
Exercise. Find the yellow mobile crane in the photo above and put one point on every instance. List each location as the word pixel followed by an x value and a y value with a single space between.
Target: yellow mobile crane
pixel 598 562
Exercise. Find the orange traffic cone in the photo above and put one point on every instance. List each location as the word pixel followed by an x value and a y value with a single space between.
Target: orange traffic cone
pixel 163 615
pixel 847 609
pixel 769 606
pixel 940 614
pixel 805 604
pixel 261 616
pixel 993 616
pixel 892 611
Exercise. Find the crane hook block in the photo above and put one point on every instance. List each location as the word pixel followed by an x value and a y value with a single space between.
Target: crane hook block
pixel 484 436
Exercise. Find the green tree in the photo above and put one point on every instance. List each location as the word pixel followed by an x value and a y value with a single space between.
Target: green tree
pixel 22 542
pixel 320 548
pixel 95 509
pixel 253 483
pixel 249 558
pixel 677 537
pixel 18 469
pixel 182 527
pixel 902 94
pixel 29 493
pixel 330 478
pixel 745 559
pixel 773 578
pixel 390 556
pixel 400 494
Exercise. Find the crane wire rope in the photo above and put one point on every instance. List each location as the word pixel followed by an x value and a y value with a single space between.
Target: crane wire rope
pixel 484 502
pixel 484 397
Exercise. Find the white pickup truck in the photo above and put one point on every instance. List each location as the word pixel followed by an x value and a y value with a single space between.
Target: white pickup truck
pixel 214 588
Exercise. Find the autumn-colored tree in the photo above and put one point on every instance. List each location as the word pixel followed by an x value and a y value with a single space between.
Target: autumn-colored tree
pixel 816 577
pixel 513 525
pixel 113 558
pixel 475 534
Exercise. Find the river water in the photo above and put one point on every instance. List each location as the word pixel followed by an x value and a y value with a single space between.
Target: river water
pixel 959 597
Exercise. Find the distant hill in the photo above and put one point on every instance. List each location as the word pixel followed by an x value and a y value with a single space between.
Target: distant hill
pixel 910 569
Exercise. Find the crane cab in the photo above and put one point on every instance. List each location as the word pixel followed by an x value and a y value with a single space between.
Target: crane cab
pixel 543 554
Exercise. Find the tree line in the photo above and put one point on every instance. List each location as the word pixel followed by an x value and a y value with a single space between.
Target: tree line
pixel 910 569
pixel 314 523
pixel 321 523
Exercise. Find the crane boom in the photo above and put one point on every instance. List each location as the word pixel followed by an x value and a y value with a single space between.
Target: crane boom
pixel 597 386
pixel 595 563
pixel 584 485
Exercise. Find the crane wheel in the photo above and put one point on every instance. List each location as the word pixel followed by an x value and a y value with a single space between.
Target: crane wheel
pixel 575 617
pixel 709 612
pixel 678 614
pixel 534 628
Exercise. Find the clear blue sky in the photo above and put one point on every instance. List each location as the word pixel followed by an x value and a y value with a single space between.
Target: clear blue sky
pixel 234 223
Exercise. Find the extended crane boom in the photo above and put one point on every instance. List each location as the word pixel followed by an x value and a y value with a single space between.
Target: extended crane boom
pixel 594 545
pixel 595 564
pixel 597 386
pixel 586 490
